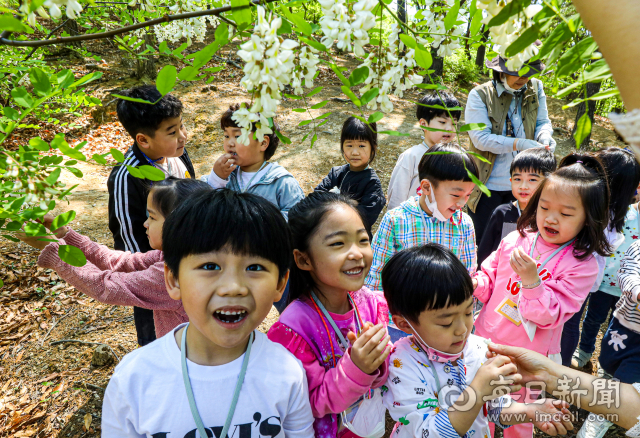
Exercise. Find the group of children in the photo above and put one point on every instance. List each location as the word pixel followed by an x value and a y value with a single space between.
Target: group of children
pixel 386 319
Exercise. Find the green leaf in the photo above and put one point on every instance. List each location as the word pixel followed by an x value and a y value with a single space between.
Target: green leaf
pixel 423 58
pixel 598 96
pixel 134 172
pixel 10 24
pixel 117 155
pixel 394 133
pixel 40 81
pixel 479 157
pixel 305 123
pixel 375 117
pixel 166 79
pixel 13 226
pixel 34 229
pixel 313 92
pixel 298 20
pixel 300 110
pixel 53 177
pixel 320 104
pixel 472 127
pixel 71 255
pixel 285 27
pixel 292 96
pixel 476 23
pixel 163 47
pixel 99 159
pixel 324 116
pixel 75 171
pixel 70 152
pixel 222 34
pixel 132 99
pixel 240 14
pixel 63 219
pixel 22 97
pixel 11 113
pixel 506 12
pixel 282 138
pixel 575 57
pixel 351 95
pixel 151 173
pixel 452 15
pixel 65 78
pixel 358 76
pixel 432 87
pixel 479 183
pixel 189 73
pixel 369 96
pixel 344 80
pixel 583 128
pixel 313 43
pixel 179 50
pixel 40 144
pixel 408 41
pixel 313 139
pixel 527 38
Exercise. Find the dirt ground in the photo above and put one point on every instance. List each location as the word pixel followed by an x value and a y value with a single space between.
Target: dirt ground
pixel 48 330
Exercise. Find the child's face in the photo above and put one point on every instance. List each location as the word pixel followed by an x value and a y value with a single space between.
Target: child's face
pixel 560 215
pixel 524 183
pixel 244 155
pixel 225 295
pixel 168 140
pixel 357 153
pixel 154 224
pixel 450 195
pixel 435 137
pixel 339 255
pixel 444 329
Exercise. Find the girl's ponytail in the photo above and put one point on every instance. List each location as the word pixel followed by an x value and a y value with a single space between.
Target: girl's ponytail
pixel 304 219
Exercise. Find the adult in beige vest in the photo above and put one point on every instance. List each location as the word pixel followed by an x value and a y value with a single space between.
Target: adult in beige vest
pixel 514 110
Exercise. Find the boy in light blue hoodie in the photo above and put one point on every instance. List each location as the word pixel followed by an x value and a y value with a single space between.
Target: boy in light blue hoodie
pixel 246 168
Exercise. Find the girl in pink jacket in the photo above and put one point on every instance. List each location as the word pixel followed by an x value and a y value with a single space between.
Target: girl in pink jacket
pixel 119 277
pixel 541 274
pixel 333 325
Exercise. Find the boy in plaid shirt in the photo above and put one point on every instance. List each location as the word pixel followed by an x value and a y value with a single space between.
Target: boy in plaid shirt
pixel 434 216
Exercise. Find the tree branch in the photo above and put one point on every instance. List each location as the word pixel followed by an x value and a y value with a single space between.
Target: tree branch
pixel 46 38
pixel 4 40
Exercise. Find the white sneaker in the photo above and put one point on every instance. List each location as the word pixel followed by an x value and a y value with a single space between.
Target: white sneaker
pixel 594 426
pixel 579 359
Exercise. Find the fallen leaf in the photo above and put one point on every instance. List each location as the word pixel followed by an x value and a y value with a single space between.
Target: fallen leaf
pixel 87 421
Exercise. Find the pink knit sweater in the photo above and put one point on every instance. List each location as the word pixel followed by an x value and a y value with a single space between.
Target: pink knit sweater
pixel 118 277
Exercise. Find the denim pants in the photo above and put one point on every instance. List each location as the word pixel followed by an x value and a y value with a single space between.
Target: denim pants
pixel 620 353
pixel 571 336
pixel 600 303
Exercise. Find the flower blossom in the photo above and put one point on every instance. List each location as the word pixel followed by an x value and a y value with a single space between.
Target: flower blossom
pixel 444 40
pixel 305 69
pixel 350 31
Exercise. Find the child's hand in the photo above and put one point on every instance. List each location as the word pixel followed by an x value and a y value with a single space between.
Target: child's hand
pixel 370 349
pixel 496 376
pixel 475 283
pixel 552 417
pixel 224 166
pixel 47 221
pixel 524 266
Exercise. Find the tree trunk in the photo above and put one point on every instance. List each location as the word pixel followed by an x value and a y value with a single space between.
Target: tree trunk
pixel 72 28
pixel 466 44
pixel 146 67
pixel 438 63
pixel 402 10
pixel 482 49
pixel 592 88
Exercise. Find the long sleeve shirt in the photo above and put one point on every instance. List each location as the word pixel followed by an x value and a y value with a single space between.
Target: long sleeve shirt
pixel 565 285
pixel 404 227
pixel 628 309
pixel 405 180
pixel 118 277
pixel 501 145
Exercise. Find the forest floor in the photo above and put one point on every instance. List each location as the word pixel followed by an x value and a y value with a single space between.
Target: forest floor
pixel 49 331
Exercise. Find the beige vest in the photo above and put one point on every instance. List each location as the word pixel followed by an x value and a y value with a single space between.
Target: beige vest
pixel 497 108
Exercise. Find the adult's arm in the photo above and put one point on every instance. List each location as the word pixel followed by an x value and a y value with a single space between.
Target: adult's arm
pixel 534 367
pixel 544 129
pixel 476 112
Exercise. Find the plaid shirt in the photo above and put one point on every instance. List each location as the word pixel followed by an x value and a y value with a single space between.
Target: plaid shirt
pixel 403 228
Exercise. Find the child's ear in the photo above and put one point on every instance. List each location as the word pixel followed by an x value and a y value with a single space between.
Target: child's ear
pixel 302 260
pixel 282 285
pixel 423 122
pixel 265 143
pixel 425 185
pixel 142 140
pixel 171 283
pixel 402 324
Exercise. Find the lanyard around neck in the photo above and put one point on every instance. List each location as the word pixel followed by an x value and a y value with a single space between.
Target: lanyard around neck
pixel 244 189
pixel 518 207
pixel 535 240
pixel 187 385
pixel 433 369
pixel 324 315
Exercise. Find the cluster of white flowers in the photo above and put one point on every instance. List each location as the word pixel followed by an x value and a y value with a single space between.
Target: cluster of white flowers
pixel 269 65
pixel 191 28
pixel 305 69
pixel 444 40
pixel 341 24
pixel 508 32
pixel 394 73
pixel 72 8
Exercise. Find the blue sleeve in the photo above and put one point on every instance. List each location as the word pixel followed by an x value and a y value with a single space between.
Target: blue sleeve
pixel 289 194
pixel 476 112
pixel 543 124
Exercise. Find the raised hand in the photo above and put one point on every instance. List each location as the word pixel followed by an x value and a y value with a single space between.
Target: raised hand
pixel 224 165
pixel 370 349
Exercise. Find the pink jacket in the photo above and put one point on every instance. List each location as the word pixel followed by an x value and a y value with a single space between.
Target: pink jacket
pixel 118 277
pixel 566 282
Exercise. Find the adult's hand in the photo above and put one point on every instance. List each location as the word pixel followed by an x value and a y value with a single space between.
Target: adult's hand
pixel 523 144
pixel 532 366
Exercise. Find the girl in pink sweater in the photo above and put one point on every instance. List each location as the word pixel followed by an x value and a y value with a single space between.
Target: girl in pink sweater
pixel 541 274
pixel 123 278
pixel 329 307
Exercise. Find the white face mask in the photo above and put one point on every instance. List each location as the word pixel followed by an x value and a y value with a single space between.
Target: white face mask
pixel 433 206
pixel 509 89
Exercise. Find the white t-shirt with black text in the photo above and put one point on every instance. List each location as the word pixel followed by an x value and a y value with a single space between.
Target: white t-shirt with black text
pixel 146 396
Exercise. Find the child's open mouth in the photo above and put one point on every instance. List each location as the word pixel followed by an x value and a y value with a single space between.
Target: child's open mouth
pixel 524 195
pixel 354 272
pixel 230 316
pixel 550 231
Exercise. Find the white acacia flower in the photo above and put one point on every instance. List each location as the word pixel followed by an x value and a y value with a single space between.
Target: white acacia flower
pixel 347 31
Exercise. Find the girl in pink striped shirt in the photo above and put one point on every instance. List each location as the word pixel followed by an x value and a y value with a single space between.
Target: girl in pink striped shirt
pixel 541 274
pixel 119 277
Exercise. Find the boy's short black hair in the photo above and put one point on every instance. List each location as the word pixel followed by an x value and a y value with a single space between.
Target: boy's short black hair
pixel 138 117
pixel 226 121
pixel 538 160
pixel 406 291
pixel 356 129
pixel 445 99
pixel 245 223
pixel 449 166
